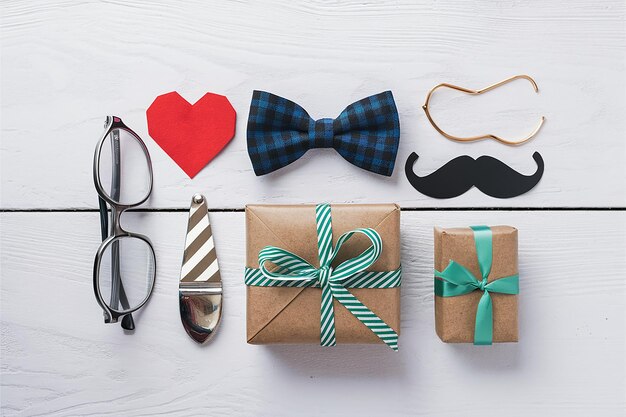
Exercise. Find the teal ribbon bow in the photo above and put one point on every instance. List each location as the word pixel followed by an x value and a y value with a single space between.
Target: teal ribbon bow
pixel 293 271
pixel 457 280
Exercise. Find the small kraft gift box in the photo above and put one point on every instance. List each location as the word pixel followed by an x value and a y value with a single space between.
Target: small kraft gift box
pixel 323 274
pixel 476 284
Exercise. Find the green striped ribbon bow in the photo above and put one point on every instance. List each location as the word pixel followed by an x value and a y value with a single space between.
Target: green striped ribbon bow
pixel 458 280
pixel 293 271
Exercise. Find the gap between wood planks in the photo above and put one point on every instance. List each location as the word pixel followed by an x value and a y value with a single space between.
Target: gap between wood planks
pixel 241 210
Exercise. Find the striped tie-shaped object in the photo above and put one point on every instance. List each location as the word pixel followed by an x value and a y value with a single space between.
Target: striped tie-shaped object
pixel 199 260
pixel 200 287
pixel 293 271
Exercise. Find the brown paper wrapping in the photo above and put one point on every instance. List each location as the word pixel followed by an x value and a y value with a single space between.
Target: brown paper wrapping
pixel 455 316
pixel 292 315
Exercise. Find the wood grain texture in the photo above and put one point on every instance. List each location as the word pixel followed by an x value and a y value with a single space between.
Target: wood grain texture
pixel 65 65
pixel 59 359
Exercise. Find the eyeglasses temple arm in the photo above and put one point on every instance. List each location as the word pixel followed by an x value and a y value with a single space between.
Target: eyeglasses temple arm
pixel 104 219
pixel 127 321
pixel 115 195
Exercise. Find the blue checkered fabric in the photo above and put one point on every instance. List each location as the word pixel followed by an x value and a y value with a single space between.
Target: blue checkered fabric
pixel 366 133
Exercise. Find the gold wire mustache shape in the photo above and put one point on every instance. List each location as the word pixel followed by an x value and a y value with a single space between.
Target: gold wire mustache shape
pixel 477 92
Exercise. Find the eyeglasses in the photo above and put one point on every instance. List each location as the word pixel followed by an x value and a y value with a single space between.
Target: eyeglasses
pixel 125 265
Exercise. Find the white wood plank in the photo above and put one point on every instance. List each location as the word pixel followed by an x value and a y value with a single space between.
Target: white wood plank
pixel 58 358
pixel 65 65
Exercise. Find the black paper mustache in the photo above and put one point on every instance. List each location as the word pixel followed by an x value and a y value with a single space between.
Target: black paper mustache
pixel 488 174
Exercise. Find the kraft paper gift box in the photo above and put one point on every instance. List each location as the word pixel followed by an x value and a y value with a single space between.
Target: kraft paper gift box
pixel 292 315
pixel 455 316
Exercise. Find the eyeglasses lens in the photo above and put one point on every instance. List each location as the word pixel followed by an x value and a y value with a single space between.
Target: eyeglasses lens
pixel 127 271
pixel 124 169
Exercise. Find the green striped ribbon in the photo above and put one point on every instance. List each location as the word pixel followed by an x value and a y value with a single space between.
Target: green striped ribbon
pixel 293 271
pixel 457 280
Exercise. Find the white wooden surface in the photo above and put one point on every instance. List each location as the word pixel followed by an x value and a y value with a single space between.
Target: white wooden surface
pixel 65 65
pixel 59 359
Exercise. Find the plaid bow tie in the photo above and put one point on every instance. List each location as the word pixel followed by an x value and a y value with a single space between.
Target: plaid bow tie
pixel 366 133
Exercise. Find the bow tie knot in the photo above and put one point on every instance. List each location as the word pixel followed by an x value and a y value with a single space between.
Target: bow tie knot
pixel 321 133
pixel 482 284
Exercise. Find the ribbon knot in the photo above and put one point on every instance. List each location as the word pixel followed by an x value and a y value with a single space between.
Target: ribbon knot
pixel 324 275
pixel 321 133
pixel 457 280
pixel 293 271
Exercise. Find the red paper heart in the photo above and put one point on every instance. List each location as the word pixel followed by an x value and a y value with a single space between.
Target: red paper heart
pixel 191 134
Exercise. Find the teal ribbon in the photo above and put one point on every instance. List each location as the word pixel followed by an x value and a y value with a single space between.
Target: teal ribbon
pixel 293 271
pixel 457 280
